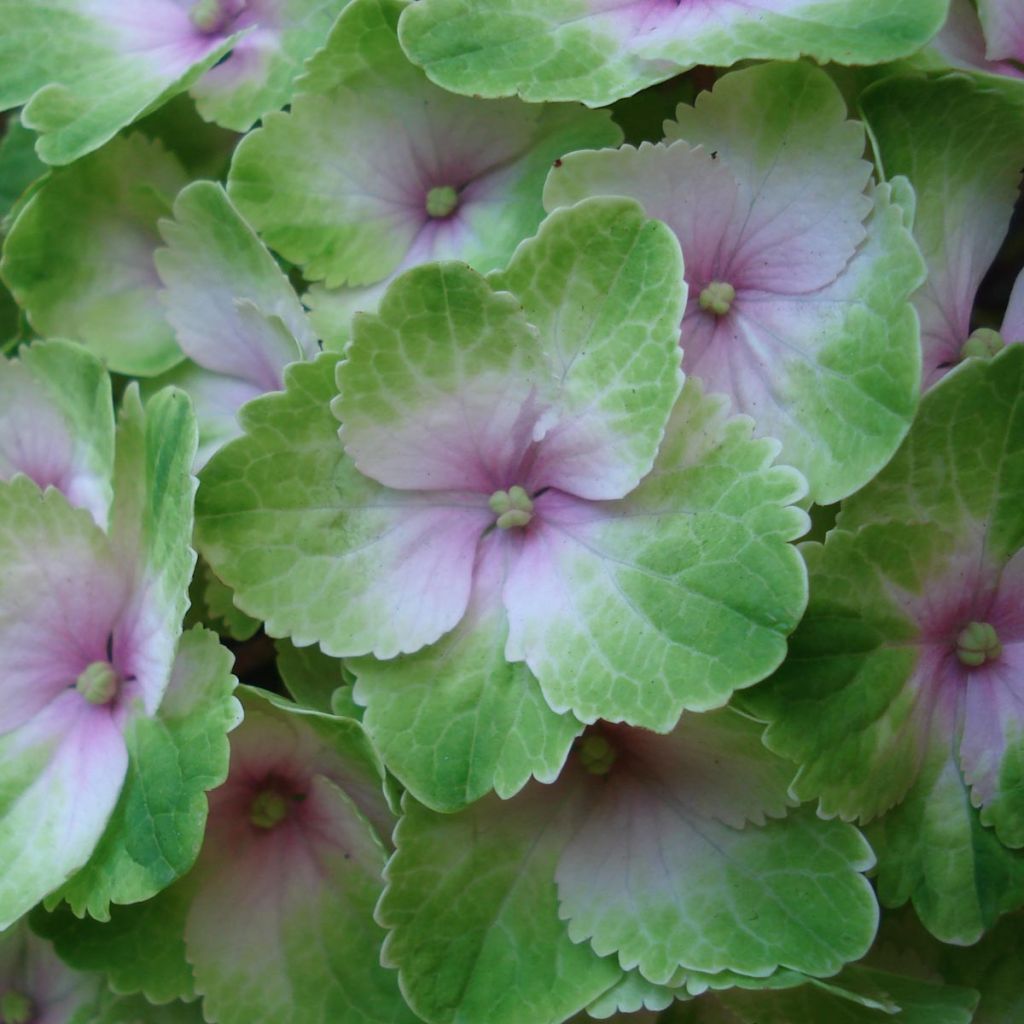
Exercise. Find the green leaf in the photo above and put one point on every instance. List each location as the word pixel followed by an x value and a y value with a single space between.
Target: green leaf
pixel 310 675
pixel 19 165
pixel 631 995
pixel 141 949
pixel 79 257
pixel 220 605
pixel 578 50
pixel 137 1010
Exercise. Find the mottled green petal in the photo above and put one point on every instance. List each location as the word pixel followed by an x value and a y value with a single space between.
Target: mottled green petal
pixel 599 52
pixel 447 387
pixel 604 287
pixel 79 257
pixel 151 525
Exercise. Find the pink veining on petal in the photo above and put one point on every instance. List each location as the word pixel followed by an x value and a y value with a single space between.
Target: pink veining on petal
pixel 160 29
pixel 479 439
pixel 994 702
pixel 268 868
pixel 270 745
pixel 69 608
pixel 984 702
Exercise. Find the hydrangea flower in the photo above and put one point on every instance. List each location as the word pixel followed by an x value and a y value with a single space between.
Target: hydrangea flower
pixel 79 257
pixel 799 272
pixel 113 724
pixel 903 698
pixel 35 985
pixel 275 922
pixel 515 483
pixel 232 310
pixel 394 171
pixel 87 68
pixel 601 50
pixel 673 855
pixel 923 127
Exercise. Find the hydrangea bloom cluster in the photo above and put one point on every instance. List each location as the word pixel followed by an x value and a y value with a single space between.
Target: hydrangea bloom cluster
pixel 510 511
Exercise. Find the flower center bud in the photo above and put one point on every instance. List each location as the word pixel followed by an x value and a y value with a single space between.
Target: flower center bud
pixel 442 201
pixel 984 343
pixel 718 297
pixel 597 755
pixel 269 808
pixel 99 683
pixel 15 1008
pixel 212 16
pixel 978 643
pixel 512 507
